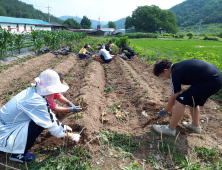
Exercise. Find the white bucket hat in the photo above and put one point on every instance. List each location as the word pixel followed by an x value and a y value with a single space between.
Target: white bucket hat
pixel 49 82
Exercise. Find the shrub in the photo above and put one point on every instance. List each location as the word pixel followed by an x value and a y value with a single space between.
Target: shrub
pixel 190 35
pixel 122 40
pixel 211 38
pixel 181 35
pixel 220 35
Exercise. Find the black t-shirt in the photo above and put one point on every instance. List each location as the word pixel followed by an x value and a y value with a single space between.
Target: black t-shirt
pixel 129 50
pixel 190 72
pixel 107 48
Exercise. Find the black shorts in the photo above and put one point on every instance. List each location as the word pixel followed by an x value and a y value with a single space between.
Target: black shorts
pixel 198 94
pixel 103 58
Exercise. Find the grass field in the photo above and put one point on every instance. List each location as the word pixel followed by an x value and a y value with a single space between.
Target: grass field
pixel 178 50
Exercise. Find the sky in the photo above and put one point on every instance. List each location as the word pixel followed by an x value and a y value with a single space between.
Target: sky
pixel 107 10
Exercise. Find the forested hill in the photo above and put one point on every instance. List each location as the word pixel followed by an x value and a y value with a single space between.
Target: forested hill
pixel 190 12
pixel 18 9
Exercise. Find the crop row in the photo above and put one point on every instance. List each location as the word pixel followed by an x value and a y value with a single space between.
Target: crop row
pixel 38 39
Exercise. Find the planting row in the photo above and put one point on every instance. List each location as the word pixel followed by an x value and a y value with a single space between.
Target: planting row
pixel 37 39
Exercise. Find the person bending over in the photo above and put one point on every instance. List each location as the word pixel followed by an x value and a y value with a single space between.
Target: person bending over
pixel 26 115
pixel 107 47
pixel 83 53
pixel 204 80
pixel 104 55
pixel 130 52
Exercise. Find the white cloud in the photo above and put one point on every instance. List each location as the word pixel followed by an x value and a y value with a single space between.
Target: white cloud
pixel 107 10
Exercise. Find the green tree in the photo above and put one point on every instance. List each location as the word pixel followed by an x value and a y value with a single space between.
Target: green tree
pixel 85 23
pixel 128 23
pixel 111 24
pixel 152 19
pixel 2 12
pixel 190 35
pixel 71 23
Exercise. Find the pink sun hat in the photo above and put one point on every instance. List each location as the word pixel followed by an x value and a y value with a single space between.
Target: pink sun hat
pixel 49 82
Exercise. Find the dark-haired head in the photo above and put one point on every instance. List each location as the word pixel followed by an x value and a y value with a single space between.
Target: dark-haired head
pixel 87 46
pixel 61 77
pixel 124 45
pixel 160 66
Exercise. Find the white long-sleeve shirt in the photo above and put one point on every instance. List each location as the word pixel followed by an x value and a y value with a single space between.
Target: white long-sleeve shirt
pixel 15 117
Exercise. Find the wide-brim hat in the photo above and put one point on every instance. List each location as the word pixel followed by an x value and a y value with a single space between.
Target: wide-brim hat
pixel 49 82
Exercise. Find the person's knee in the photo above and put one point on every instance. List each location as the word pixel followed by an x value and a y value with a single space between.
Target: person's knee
pixel 178 104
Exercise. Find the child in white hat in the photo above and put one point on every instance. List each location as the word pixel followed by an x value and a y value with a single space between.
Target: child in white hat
pixel 58 96
pixel 26 115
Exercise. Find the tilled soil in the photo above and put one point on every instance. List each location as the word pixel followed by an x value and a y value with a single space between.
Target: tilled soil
pixel 136 87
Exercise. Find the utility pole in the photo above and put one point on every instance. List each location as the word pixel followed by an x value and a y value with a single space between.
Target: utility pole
pixel 199 28
pixel 48 11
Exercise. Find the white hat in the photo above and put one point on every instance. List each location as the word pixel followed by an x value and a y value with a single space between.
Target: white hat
pixel 49 82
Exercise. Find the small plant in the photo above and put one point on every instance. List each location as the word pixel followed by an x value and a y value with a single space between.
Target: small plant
pixel 110 88
pixel 68 78
pixel 109 78
pixel 78 116
pixel 120 140
pixel 81 93
pixel 219 108
pixel 115 106
pixel 85 80
pixel 11 84
pixel 117 73
pixel 145 91
pixel 147 97
pixel 138 83
pixel 134 79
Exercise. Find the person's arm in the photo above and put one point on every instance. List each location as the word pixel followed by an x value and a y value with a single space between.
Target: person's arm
pixel 61 110
pixel 171 102
pixel 118 52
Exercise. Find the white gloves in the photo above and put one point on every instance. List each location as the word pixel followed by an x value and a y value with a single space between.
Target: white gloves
pixel 75 138
pixel 67 128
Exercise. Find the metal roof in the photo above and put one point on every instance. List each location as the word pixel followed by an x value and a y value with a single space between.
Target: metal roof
pixel 22 21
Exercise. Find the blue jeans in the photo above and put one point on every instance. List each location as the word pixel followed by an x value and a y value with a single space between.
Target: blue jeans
pixel 82 56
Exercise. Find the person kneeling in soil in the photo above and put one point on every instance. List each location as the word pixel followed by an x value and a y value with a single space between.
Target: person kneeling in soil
pixel 107 47
pixel 129 54
pixel 26 115
pixel 104 54
pixel 53 106
pixel 205 80
pixel 83 53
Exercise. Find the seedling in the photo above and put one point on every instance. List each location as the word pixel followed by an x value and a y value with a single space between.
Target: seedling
pixel 138 83
pixel 219 108
pixel 85 80
pixel 68 78
pixel 78 116
pixel 11 84
pixel 117 73
pixel 110 88
pixel 147 97
pixel 109 78
pixel 145 91
pixel 134 79
pixel 81 93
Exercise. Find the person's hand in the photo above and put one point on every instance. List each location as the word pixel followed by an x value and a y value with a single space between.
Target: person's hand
pixel 70 104
pixel 162 113
pixel 74 109
pixel 75 138
pixel 67 128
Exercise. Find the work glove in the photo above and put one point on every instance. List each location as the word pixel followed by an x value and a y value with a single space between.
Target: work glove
pixel 162 113
pixel 75 138
pixel 67 128
pixel 70 104
pixel 74 109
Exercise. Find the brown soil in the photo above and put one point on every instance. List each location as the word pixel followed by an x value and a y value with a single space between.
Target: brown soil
pixel 87 81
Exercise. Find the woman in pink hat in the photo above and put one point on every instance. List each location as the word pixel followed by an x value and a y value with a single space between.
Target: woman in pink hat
pixel 27 114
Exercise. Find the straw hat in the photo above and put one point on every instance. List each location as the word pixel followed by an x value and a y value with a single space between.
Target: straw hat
pixel 49 82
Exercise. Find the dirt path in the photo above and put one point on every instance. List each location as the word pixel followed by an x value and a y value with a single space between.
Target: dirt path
pixel 135 87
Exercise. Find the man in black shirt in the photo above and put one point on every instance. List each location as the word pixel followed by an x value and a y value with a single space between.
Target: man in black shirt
pixel 129 54
pixel 204 80
pixel 107 47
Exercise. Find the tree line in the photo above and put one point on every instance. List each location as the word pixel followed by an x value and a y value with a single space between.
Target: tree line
pixel 15 8
pixel 191 12
pixel 152 19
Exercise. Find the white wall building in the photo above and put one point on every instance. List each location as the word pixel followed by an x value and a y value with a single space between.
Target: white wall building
pixel 19 25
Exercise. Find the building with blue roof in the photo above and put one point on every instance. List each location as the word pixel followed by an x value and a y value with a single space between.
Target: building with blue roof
pixel 19 25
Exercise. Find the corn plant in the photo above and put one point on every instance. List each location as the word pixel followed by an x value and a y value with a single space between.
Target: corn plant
pixel 4 35
pixel 19 41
